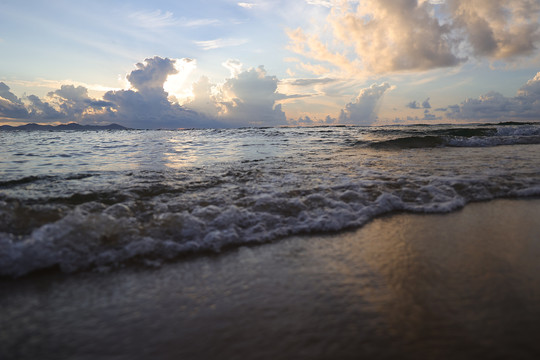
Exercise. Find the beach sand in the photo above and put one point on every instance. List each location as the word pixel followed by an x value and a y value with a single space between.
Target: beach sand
pixel 464 285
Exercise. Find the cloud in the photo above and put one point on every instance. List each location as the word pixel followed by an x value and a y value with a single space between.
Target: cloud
pixel 498 29
pixel 234 66
pixel 363 110
pixel 148 106
pixel 311 82
pixel 413 105
pixel 531 89
pixel 302 121
pixel 72 101
pixel 495 106
pixel 430 117
pixel 313 47
pixel 416 105
pixel 8 95
pixel 385 36
pixel 220 43
pixel 154 19
pixel 67 103
pixel 204 98
pixel 10 105
pixel 200 22
pixel 308 121
pixel 246 5
pixel 324 3
pixel 152 74
pixel 42 110
pixel 249 99
pixel 389 36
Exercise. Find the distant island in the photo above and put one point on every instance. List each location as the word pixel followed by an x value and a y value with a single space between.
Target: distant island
pixel 70 126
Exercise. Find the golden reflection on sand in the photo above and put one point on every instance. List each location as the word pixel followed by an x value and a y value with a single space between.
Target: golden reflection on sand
pixel 440 277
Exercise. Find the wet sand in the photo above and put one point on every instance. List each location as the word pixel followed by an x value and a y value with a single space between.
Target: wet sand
pixel 464 285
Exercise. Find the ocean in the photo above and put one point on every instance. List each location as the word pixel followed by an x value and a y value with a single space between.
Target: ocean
pixel 99 200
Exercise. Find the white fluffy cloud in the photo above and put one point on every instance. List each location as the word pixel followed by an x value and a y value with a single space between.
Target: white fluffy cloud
pixel 384 36
pixel 250 99
pixel 363 110
pixel 247 98
pixel 204 98
pixel 497 107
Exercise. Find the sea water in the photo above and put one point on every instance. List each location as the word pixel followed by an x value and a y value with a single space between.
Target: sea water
pixel 95 200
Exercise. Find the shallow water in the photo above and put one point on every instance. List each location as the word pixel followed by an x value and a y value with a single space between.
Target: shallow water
pixel 98 199
pixel 463 286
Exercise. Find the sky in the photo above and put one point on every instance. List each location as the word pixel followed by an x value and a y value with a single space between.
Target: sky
pixel 224 63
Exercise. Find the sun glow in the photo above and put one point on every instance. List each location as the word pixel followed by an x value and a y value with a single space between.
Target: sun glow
pixel 178 85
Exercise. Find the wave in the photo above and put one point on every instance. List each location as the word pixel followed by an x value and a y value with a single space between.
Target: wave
pixel 144 209
pixel 460 137
pixel 98 234
pixel 22 181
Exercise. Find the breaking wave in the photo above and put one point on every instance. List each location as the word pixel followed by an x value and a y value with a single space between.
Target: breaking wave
pixel 462 137
pixel 151 229
pixel 163 195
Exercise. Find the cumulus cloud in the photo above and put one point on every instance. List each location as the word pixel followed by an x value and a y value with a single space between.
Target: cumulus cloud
pixel 495 106
pixel 72 101
pixel 397 35
pixel 413 105
pixel 42 110
pixel 249 99
pixel 8 95
pixel 498 28
pixel 148 106
pixel 11 107
pixel 152 74
pixel 531 89
pixel 204 98
pixel 384 36
pixel 417 105
pixel 363 110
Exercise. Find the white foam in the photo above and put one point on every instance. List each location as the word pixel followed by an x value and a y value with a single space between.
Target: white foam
pixel 164 213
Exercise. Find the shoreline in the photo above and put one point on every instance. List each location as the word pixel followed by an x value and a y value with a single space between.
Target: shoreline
pixel 464 284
